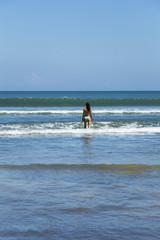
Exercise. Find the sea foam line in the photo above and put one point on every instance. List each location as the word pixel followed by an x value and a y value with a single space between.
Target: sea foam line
pixel 71 111
pixel 75 129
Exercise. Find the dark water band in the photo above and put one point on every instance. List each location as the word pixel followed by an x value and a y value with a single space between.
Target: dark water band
pixel 74 102
pixel 126 168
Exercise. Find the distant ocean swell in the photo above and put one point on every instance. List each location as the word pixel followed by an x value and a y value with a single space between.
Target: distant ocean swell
pixel 71 102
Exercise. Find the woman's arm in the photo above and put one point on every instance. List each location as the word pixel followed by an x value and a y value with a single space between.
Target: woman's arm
pixel 91 116
pixel 83 116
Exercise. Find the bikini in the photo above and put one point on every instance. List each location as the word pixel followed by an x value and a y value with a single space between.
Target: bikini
pixel 86 118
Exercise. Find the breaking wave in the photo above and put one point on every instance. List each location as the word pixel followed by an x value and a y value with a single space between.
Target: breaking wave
pixel 76 128
pixel 106 111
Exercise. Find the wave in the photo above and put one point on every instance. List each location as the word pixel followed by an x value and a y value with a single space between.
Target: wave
pixel 128 168
pixel 71 111
pixel 76 128
pixel 72 102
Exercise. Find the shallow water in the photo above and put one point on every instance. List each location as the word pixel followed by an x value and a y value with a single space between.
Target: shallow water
pixel 60 181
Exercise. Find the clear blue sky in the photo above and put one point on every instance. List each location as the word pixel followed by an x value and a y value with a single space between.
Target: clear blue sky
pixel 79 45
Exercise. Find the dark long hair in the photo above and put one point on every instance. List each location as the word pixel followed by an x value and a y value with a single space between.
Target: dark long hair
pixel 88 106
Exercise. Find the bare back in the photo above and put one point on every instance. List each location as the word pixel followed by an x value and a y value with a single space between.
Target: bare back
pixel 87 113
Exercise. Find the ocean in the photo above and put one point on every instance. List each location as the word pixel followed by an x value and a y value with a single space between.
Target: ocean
pixel 60 181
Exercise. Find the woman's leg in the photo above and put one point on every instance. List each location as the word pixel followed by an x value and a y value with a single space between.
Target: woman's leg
pixel 89 123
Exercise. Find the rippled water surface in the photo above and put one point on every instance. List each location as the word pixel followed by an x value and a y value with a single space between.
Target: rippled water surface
pixel 61 181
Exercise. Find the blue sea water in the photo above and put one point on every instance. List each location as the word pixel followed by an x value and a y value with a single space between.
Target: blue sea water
pixel 61 181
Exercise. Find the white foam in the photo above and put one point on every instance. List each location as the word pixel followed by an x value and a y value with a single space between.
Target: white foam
pixel 78 111
pixel 24 112
pixel 74 129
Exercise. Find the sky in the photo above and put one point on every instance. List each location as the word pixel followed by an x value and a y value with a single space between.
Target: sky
pixel 79 45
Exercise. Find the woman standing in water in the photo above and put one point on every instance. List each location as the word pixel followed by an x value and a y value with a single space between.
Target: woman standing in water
pixel 87 115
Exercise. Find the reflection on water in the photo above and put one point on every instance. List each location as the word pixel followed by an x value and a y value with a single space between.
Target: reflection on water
pixel 88 148
pixel 87 139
